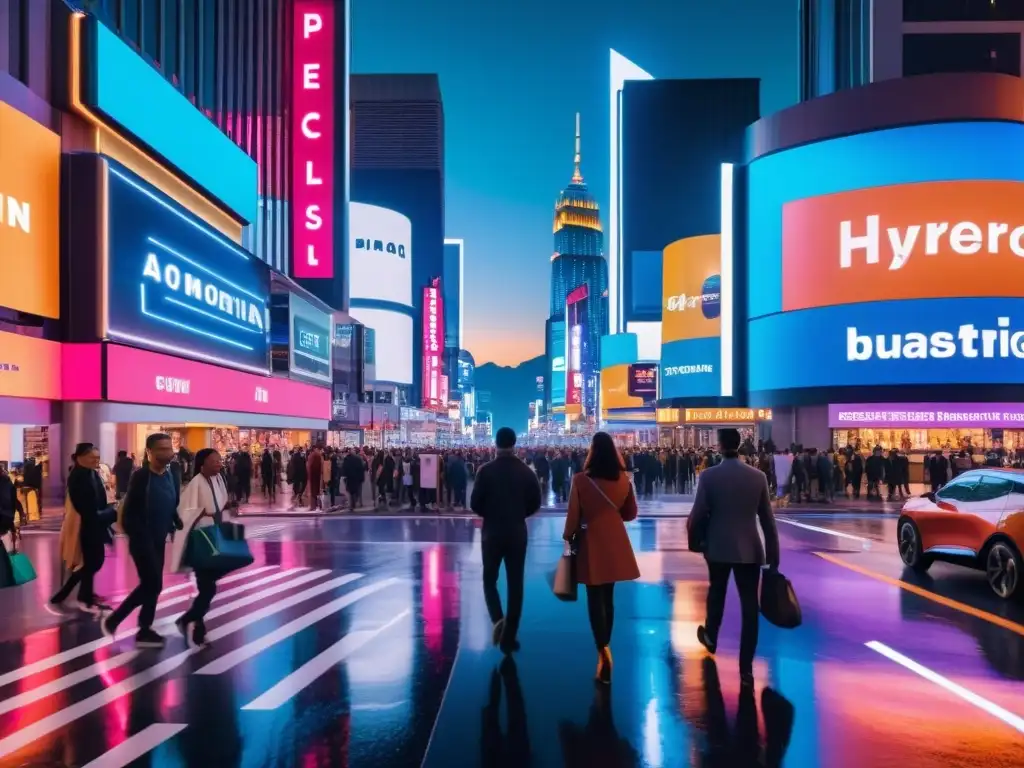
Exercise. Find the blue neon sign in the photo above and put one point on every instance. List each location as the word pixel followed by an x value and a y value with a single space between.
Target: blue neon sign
pixel 175 285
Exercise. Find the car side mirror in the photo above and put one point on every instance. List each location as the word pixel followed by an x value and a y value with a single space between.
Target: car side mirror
pixel 930 495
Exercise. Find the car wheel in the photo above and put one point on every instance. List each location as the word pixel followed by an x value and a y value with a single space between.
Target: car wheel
pixel 1004 569
pixel 909 541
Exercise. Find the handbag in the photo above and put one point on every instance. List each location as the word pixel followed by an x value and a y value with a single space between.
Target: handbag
pixel 779 604
pixel 221 547
pixel 565 584
pixel 21 568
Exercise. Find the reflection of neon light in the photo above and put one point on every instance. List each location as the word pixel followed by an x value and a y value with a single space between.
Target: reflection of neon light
pixel 200 267
pixel 622 69
pixel 726 287
pixel 204 313
pixel 188 220
pixel 189 328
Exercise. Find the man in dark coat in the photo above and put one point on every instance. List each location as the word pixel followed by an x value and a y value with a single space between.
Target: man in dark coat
pixel 352 471
pixel 505 493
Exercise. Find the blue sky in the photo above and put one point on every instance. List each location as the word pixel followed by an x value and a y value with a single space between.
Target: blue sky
pixel 513 75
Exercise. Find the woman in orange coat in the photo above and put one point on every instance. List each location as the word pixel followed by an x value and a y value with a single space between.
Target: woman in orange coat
pixel 602 500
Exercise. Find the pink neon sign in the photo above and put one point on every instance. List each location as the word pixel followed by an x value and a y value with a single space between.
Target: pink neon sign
pixel 313 139
pixel 137 376
pixel 433 344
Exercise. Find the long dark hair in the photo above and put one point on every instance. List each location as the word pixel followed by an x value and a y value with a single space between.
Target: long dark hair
pixel 603 461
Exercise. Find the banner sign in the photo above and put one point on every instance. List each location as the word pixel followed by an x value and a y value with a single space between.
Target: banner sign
pixel 643 380
pixel 726 415
pixel 137 376
pixel 927 415
pixel 176 285
pixel 310 340
pixel 433 343
pixel 313 139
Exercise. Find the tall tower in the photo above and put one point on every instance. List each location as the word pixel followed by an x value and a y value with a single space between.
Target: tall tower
pixel 578 259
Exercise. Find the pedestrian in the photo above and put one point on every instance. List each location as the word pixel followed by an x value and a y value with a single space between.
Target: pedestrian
pixel 267 477
pixel 150 513
pixel 731 499
pixel 87 516
pixel 202 505
pixel 315 477
pixel 601 502
pixel 505 493
pixel 353 470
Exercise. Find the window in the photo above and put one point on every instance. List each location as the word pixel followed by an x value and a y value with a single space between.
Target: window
pixel 992 488
pixel 960 489
pixel 963 10
pixel 931 54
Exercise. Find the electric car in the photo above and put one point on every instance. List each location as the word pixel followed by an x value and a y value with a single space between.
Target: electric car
pixel 975 520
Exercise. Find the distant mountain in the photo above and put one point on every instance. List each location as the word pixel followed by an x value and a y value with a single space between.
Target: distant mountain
pixel 511 390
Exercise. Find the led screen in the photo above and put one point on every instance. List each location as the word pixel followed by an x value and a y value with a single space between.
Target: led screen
pixel 902 265
pixel 175 285
pixel 557 347
pixel 393 359
pixel 310 347
pixel 380 254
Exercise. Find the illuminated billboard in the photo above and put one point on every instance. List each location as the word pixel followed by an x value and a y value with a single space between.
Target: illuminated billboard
pixel 696 325
pixel 313 138
pixel 433 345
pixel 175 285
pixel 380 255
pixel 643 381
pixel 580 368
pixel 904 266
pixel 558 362
pixel 388 343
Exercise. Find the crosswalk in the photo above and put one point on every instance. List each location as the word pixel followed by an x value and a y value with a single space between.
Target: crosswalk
pixel 297 599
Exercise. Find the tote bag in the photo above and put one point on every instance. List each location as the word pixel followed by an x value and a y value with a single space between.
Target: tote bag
pixel 221 547
pixel 778 600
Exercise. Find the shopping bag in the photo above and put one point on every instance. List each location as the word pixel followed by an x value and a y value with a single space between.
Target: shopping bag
pixel 21 568
pixel 564 582
pixel 212 549
pixel 778 600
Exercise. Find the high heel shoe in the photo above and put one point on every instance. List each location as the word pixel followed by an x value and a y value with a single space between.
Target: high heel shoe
pixel 604 666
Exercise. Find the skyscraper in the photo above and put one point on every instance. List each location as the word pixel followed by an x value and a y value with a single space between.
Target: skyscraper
pixel 579 257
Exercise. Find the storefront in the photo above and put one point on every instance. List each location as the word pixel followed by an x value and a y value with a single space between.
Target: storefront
pixel 698 427
pixel 132 393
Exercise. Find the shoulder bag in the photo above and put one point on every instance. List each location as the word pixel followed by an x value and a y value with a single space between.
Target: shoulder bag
pixel 220 548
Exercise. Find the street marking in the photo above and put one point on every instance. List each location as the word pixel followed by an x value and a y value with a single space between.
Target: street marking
pixel 827 531
pixel 1014 721
pixel 956 605
pixel 319 665
pixel 260 644
pixel 26 735
pixel 134 747
pixel 63 683
pixel 236 590
pixel 62 657
pixel 189 583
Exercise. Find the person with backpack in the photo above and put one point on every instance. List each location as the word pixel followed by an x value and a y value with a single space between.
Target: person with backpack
pixel 150 513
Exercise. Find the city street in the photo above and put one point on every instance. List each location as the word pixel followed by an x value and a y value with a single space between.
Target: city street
pixel 365 642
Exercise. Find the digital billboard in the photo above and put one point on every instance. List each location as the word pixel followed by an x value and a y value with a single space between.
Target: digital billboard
pixel 310 348
pixel 392 358
pixel 433 345
pixel 697 309
pixel 615 386
pixel 643 381
pixel 380 255
pixel 29 215
pixel 558 362
pixel 29 367
pixel 902 265
pixel 313 138
pixel 579 367
pixel 174 284
pixel 691 319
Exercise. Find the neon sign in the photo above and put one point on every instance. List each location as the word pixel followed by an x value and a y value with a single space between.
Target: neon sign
pixel 433 333
pixel 313 139
pixel 175 285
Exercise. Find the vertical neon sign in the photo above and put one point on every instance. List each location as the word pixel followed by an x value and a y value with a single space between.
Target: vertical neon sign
pixel 312 139
pixel 433 344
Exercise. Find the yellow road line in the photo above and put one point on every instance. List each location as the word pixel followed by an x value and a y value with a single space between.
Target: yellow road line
pixel 956 605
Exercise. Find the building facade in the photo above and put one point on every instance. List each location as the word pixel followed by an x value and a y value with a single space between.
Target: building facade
pixel 850 43
pixel 398 163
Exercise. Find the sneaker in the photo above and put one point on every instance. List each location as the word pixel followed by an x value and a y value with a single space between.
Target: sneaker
pixel 108 627
pixel 54 607
pixel 147 638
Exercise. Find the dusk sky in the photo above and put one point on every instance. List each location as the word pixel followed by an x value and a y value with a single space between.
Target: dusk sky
pixel 512 76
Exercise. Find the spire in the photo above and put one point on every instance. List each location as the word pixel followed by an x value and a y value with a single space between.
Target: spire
pixel 577 175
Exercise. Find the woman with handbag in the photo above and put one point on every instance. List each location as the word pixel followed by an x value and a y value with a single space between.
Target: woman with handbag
pixel 87 516
pixel 201 505
pixel 601 501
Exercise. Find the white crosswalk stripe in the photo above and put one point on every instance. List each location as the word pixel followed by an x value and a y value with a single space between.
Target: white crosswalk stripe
pixel 256 596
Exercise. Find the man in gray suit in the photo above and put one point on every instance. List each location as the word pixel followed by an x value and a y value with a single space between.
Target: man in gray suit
pixel 731 498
